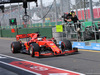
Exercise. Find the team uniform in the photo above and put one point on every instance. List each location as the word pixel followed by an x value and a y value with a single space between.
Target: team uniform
pixel 74 19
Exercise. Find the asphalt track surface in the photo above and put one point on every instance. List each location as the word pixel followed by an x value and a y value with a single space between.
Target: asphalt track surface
pixel 87 62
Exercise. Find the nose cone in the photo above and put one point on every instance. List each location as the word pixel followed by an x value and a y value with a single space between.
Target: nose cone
pixel 57 52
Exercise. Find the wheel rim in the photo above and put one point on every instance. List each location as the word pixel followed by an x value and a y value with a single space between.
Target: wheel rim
pixel 12 49
pixel 31 50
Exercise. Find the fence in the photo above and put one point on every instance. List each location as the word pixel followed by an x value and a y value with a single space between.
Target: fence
pixel 49 24
pixel 48 9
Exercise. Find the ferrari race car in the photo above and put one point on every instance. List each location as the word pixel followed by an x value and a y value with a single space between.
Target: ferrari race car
pixel 41 46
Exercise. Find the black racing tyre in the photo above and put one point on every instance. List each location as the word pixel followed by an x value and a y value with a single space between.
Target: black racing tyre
pixel 66 45
pixel 15 47
pixel 34 47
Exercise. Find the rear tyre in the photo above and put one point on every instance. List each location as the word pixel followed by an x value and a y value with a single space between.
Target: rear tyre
pixel 66 45
pixel 15 47
pixel 34 48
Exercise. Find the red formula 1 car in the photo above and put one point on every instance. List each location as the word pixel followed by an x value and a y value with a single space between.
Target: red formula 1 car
pixel 40 46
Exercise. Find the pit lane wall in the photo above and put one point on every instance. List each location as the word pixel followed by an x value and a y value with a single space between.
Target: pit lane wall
pixel 43 32
pixel 90 46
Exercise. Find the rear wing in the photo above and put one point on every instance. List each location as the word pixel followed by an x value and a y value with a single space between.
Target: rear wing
pixel 21 36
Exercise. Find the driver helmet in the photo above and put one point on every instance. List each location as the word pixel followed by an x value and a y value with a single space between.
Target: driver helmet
pixel 72 12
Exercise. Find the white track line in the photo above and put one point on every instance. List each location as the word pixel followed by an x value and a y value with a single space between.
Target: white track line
pixel 41 64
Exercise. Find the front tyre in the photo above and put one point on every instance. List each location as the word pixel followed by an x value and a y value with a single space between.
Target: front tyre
pixel 66 45
pixel 34 50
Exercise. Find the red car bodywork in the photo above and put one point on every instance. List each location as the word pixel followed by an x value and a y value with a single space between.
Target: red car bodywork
pixel 48 43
